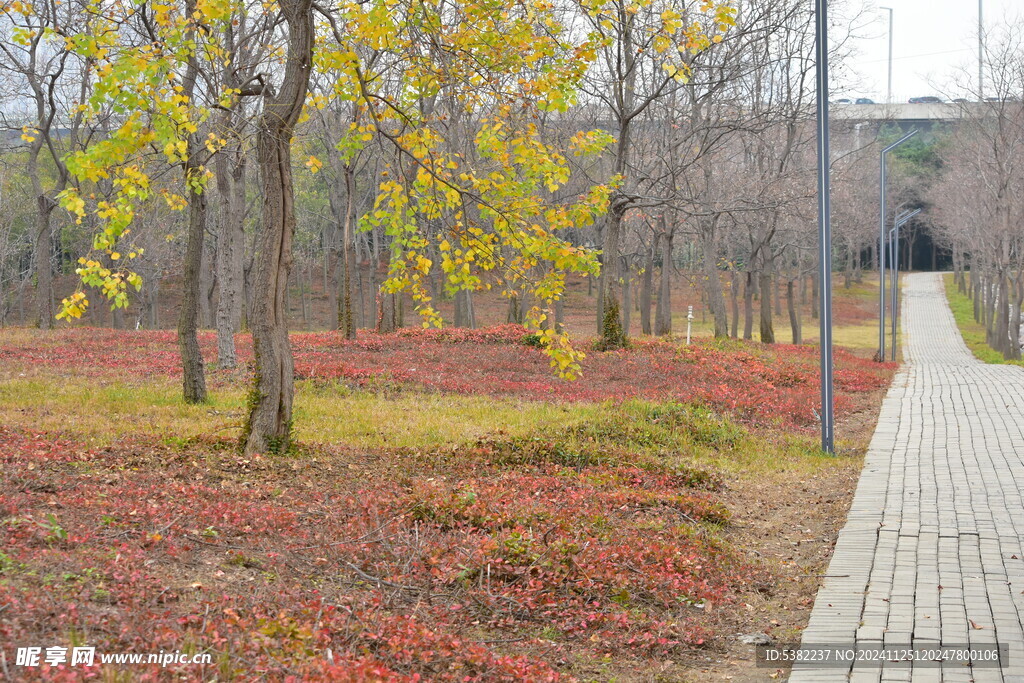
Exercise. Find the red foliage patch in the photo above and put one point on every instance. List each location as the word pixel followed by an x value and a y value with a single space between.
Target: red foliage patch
pixel 758 384
pixel 437 566
pixel 488 562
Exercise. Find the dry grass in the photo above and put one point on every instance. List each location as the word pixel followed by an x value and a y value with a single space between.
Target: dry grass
pixel 855 325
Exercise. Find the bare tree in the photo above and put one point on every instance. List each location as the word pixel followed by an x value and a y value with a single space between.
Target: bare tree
pixel 52 81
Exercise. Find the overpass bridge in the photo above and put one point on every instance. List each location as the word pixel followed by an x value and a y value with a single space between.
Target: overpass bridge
pixel 923 116
pixel 937 111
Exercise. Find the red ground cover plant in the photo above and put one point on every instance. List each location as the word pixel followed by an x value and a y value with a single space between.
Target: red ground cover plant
pixel 501 560
pixel 758 384
pixel 331 565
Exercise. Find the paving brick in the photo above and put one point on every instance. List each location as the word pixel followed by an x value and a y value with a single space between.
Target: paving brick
pixel 933 543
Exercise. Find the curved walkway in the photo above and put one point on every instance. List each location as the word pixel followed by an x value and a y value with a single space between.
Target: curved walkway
pixel 932 549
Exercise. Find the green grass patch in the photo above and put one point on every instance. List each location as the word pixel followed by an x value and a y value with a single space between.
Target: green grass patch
pixel 685 439
pixel 679 436
pixel 971 330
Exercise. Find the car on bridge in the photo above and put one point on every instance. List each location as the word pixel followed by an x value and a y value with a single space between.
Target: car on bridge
pixel 864 100
pixel 930 99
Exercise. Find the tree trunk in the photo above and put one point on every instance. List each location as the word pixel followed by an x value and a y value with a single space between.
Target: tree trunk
pixel 646 284
pixel 207 280
pixel 983 299
pixel 814 296
pixel 794 318
pixel 43 261
pixel 303 298
pixel 716 299
pixel 43 243
pixel 361 281
pixel 374 287
pixel 627 299
pixel 269 423
pixel 767 328
pixel 1015 317
pixel 230 245
pixel 151 310
pixel 1003 319
pixel 777 295
pixel 516 311
pixel 346 319
pixel 609 305
pixel 330 272
pixel 464 314
pixel 848 270
pixel 192 371
pixel 734 295
pixel 345 270
pixel 663 312
pixel 990 312
pixel 388 312
pixel 976 297
pixel 248 275
pixel 748 306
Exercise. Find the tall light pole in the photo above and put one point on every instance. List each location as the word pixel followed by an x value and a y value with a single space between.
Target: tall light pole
pixel 893 270
pixel 824 228
pixel 883 175
pixel 981 52
pixel 889 10
pixel 894 237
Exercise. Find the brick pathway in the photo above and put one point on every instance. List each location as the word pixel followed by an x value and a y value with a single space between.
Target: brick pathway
pixel 932 548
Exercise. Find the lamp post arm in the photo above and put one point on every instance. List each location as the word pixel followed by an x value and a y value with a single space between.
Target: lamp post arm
pixel 900 141
pixel 883 174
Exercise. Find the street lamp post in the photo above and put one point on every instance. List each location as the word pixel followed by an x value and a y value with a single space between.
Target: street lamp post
pixel 894 266
pixel 889 97
pixel 894 241
pixel 881 241
pixel 824 227
pixel 981 52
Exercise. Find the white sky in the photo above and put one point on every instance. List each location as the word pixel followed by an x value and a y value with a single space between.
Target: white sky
pixel 935 45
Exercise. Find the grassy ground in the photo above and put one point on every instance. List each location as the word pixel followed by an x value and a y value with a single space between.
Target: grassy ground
pixel 972 331
pixel 451 511
pixel 855 309
pixel 103 416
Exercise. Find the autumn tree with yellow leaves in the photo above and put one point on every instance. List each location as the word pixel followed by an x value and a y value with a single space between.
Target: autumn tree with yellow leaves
pixel 492 215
